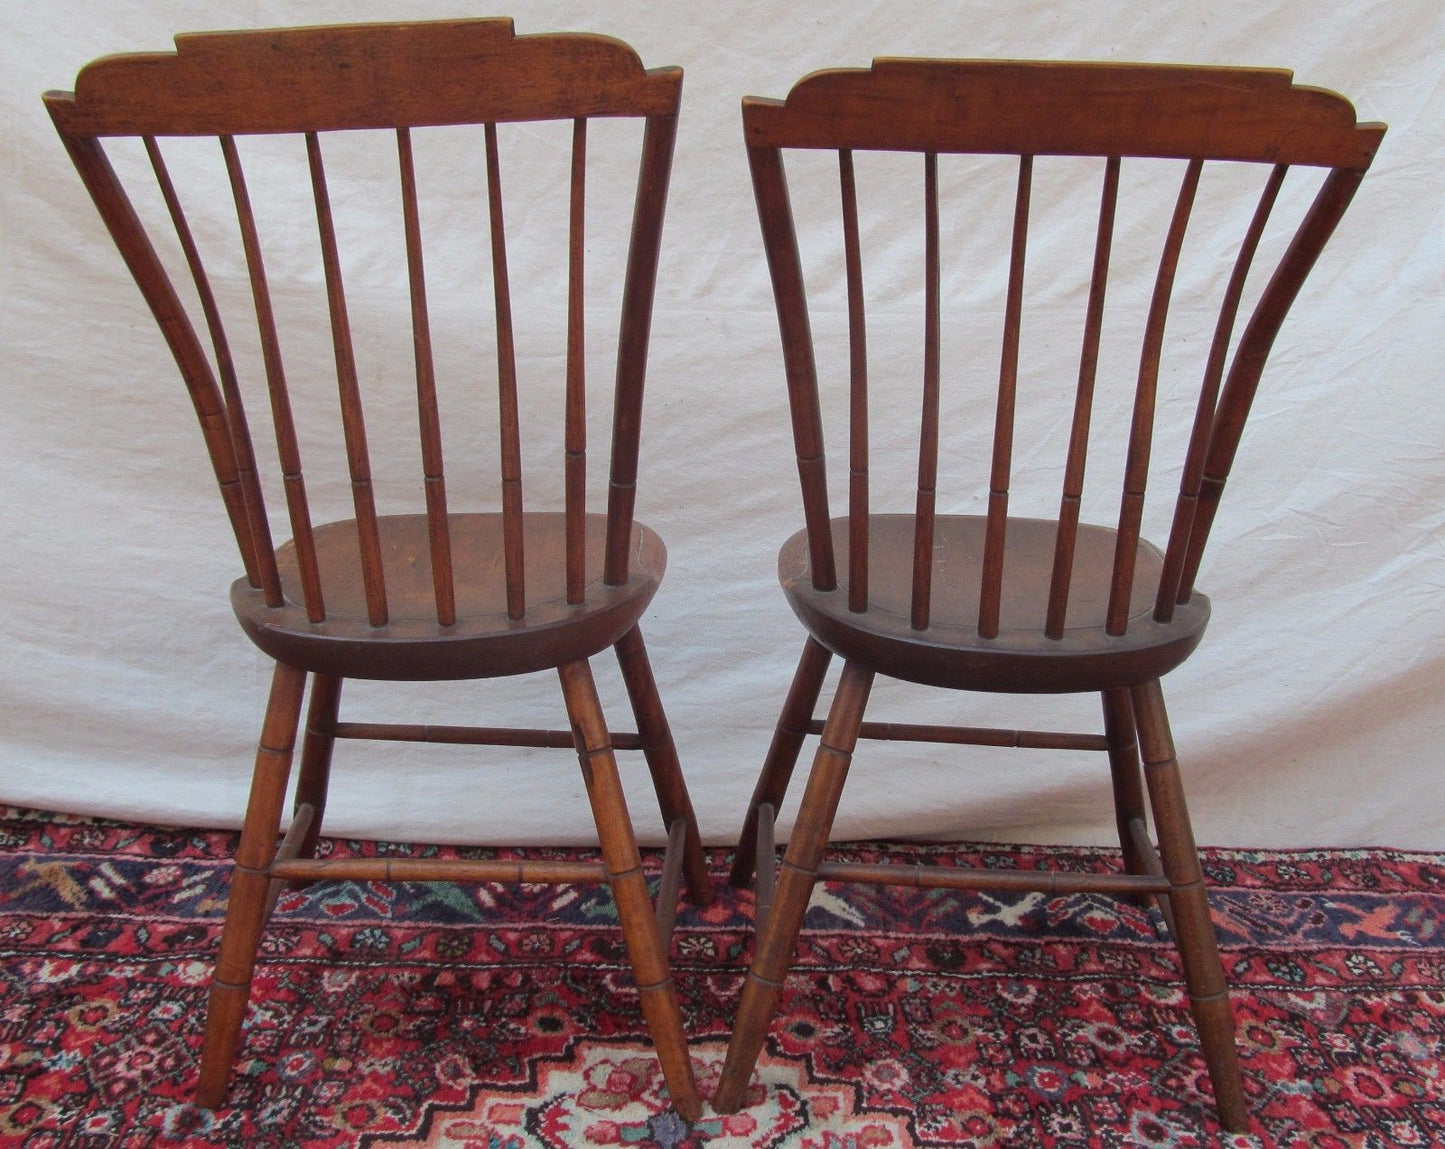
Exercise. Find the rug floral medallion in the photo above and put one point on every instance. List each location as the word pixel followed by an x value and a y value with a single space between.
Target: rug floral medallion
pixel 483 1017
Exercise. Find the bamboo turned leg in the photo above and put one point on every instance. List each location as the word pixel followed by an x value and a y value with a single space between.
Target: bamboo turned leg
pixel 315 771
pixel 312 780
pixel 777 770
pixel 662 763
pixel 1128 784
pixel 624 874
pixel 773 950
pixel 1124 770
pixel 246 908
pixel 1194 931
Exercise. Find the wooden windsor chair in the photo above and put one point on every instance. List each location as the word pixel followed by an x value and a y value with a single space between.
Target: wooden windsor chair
pixel 437 594
pixel 994 602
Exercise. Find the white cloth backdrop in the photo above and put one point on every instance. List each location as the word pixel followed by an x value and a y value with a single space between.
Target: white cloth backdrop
pixel 1312 715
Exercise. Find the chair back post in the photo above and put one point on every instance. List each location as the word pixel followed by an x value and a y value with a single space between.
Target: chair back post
pixel 638 292
pixel 780 244
pixel 247 517
pixel 1192 474
pixel 1249 359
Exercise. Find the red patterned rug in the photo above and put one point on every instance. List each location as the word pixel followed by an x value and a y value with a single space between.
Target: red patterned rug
pixel 489 1018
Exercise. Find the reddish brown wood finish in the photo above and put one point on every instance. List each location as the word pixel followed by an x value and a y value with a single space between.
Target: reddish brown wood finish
pixel 1083 409
pixel 576 428
pixel 857 392
pixel 996 527
pixel 923 515
pixel 250 881
pixel 257 528
pixel 428 414
pixel 998 603
pixel 623 866
pixel 440 593
pixel 792 728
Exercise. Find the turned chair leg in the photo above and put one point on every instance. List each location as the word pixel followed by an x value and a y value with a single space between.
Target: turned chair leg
pixel 316 746
pixel 1125 774
pixel 1130 814
pixel 775 944
pixel 661 754
pixel 246 907
pixel 314 775
pixel 1194 930
pixel 782 756
pixel 623 864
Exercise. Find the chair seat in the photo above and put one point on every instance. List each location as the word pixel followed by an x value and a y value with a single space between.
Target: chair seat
pixel 1021 659
pixel 484 642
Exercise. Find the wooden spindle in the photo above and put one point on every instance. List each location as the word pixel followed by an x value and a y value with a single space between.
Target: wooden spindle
pixel 134 245
pixel 780 242
pixel 260 557
pixel 511 431
pixel 1242 379
pixel 575 434
pixel 1189 481
pixel 429 419
pixel 287 447
pixel 922 591
pixel 857 392
pixel 1141 431
pixel 995 531
pixel 353 423
pixel 1083 410
pixel 639 286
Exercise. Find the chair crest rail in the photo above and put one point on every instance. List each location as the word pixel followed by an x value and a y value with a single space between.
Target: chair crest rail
pixel 361 76
pixel 1043 108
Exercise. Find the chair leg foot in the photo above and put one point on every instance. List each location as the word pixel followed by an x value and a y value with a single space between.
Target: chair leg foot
pixel 661 754
pixel 225 1012
pixel 623 863
pixel 773 951
pixel 782 755
pixel 1194 929
pixel 247 903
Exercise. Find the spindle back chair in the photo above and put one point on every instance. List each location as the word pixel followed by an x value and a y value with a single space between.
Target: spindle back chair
pixel 994 602
pixel 439 593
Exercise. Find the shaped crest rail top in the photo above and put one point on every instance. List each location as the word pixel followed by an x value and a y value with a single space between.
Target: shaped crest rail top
pixel 361 76
pixel 1048 108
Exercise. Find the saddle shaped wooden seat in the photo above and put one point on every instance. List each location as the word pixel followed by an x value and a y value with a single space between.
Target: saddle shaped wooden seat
pixel 437 592
pixel 1020 659
pixel 1001 602
pixel 484 641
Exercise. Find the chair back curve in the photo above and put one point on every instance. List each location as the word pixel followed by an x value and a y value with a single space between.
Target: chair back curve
pixel 1127 118
pixel 395 83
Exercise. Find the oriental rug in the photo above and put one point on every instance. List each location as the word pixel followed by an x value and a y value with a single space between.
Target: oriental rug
pixel 482 1017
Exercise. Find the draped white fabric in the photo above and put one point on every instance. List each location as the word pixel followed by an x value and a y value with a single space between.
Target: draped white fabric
pixel 1311 715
